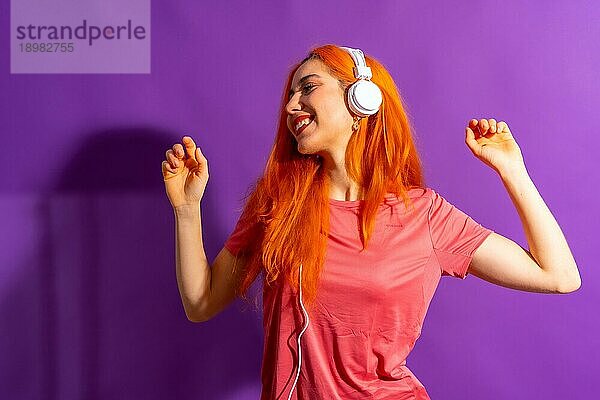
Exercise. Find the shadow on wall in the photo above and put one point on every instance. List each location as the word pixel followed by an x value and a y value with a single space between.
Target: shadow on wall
pixel 94 311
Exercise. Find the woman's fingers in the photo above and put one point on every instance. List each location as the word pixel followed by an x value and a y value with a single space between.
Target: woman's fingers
pixel 484 126
pixel 190 147
pixel 473 126
pixel 502 126
pixel 172 159
pixel 177 155
pixel 178 150
pixel 166 166
pixel 200 156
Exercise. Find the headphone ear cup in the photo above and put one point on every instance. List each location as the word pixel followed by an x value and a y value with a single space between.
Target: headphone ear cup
pixel 364 98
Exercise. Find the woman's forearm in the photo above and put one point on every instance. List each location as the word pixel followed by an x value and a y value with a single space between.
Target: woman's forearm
pixel 192 267
pixel 547 243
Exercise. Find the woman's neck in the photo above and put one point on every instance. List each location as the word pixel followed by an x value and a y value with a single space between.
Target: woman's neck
pixel 341 187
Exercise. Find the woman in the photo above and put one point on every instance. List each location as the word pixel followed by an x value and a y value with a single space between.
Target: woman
pixel 342 224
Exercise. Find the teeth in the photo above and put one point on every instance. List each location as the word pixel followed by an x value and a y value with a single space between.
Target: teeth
pixel 302 123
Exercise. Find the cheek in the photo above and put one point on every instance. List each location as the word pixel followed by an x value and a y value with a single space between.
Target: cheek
pixel 336 113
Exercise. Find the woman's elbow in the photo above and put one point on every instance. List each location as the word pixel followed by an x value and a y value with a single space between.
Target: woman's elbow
pixel 570 286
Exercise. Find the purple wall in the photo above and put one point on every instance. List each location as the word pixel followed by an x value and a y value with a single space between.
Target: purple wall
pixel 89 302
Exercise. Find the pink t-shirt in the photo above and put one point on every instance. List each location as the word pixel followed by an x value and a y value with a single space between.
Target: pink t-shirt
pixel 370 307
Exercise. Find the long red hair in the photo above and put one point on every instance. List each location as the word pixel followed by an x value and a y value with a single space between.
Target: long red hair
pixel 289 203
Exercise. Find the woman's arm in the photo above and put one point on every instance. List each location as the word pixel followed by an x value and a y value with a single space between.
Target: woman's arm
pixel 548 266
pixel 205 290
pixel 191 265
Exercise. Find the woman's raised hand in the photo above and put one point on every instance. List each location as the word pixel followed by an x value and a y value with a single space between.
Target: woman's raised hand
pixel 185 173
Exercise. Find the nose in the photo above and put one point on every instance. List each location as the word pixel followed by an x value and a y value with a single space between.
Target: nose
pixel 293 104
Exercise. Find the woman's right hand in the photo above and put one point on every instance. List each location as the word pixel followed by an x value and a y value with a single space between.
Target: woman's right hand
pixel 185 173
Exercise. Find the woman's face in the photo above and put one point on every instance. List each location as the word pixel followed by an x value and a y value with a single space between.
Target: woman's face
pixel 318 95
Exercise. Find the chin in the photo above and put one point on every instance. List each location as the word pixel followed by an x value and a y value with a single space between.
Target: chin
pixel 307 147
pixel 306 150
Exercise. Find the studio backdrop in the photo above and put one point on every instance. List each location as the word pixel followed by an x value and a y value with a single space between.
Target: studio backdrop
pixel 89 304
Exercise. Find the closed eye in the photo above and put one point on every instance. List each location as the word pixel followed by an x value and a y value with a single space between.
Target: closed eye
pixel 308 86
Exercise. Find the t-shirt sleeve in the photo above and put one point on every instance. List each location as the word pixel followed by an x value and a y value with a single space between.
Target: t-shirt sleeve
pixel 455 236
pixel 244 236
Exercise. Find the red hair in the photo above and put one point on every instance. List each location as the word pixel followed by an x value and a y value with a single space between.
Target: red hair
pixel 289 203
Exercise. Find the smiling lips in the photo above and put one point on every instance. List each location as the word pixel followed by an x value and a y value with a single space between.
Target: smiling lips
pixel 300 123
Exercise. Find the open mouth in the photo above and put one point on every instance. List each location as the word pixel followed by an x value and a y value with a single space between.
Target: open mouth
pixel 301 126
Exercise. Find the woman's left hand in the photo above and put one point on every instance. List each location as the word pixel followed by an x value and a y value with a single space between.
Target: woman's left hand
pixel 493 143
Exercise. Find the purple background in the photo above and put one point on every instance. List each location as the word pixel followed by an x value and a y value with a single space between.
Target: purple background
pixel 89 302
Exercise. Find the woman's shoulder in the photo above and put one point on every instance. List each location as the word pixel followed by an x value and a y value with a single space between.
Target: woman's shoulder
pixel 418 197
pixel 416 193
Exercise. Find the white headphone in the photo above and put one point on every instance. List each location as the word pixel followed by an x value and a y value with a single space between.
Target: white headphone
pixel 364 96
pixel 300 335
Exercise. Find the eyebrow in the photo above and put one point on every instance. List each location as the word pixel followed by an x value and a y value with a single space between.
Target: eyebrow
pixel 301 81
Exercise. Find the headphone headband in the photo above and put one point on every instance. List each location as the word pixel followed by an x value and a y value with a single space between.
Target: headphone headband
pixel 361 71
